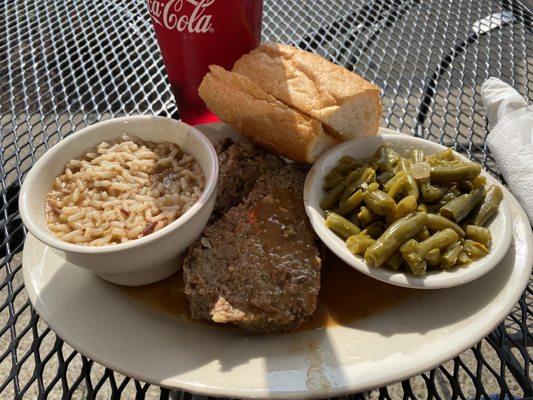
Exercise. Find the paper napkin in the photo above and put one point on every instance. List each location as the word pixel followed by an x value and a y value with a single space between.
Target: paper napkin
pixel 511 138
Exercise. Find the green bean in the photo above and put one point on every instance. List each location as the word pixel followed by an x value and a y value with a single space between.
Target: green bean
pixel 437 223
pixel 366 216
pixel 434 258
pixel 372 187
pixel 367 176
pixel 457 209
pixel 431 193
pixel 411 210
pixel 405 206
pixel 479 181
pixel 451 255
pixel 479 234
pixel 345 165
pixel 445 155
pixel 387 186
pixel 422 208
pixel 409 246
pixel 384 177
pixel 417 155
pixel 463 257
pixel 488 207
pixel 351 203
pixel 334 180
pixel 353 176
pixel 411 187
pixel 334 171
pixel 403 165
pixel 395 262
pixel 398 186
pixel 397 233
pixel 357 244
pixel 394 157
pixel 384 159
pixel 419 269
pixel 333 197
pixel 347 159
pixel 379 202
pixel 423 234
pixel 450 195
pixel 341 226
pixel 465 186
pixel 474 249
pixel 374 230
pixel 455 172
pixel 413 254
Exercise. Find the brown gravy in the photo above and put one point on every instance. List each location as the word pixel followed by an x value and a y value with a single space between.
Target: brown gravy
pixel 346 295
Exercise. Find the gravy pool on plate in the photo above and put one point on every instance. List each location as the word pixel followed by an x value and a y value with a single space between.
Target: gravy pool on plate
pixel 346 295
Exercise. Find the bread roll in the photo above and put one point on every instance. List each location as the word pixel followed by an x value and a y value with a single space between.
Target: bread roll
pixel 340 99
pixel 262 118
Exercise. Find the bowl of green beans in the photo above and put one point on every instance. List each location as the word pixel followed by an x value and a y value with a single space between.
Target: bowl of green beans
pixel 408 211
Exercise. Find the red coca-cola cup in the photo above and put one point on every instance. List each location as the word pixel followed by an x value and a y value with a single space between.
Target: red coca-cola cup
pixel 194 34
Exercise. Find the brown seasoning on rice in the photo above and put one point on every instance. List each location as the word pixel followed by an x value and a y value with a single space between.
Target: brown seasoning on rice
pixel 122 191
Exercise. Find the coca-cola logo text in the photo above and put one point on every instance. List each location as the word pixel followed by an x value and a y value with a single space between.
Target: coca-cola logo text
pixel 171 15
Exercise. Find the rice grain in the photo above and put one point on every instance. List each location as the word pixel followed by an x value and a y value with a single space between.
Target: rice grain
pixel 122 191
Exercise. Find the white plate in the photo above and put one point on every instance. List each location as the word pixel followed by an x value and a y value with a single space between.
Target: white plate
pixel 500 226
pixel 421 332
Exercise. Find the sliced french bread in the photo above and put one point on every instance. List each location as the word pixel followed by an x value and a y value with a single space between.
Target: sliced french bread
pixel 257 115
pixel 340 99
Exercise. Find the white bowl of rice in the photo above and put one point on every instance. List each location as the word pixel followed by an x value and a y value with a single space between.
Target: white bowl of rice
pixel 123 198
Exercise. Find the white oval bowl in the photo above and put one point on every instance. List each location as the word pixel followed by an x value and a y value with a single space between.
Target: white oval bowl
pixel 144 260
pixel 363 148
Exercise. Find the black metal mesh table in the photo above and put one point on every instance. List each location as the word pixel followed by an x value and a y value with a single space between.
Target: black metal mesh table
pixel 67 64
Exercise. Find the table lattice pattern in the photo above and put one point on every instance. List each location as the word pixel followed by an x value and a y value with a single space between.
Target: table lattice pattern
pixel 67 64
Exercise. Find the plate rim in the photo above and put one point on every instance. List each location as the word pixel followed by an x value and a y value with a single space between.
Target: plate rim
pixel 347 388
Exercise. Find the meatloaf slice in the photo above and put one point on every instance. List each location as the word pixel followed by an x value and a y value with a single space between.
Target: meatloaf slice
pixel 241 163
pixel 258 266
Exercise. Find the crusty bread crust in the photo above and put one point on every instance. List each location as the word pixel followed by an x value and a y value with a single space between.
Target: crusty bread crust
pixel 338 98
pixel 262 118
